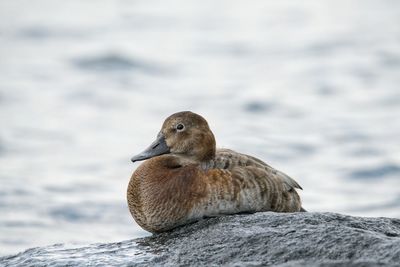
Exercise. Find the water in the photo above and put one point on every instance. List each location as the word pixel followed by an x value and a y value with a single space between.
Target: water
pixel 312 88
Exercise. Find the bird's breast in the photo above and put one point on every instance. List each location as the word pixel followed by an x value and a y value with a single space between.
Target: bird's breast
pixel 161 197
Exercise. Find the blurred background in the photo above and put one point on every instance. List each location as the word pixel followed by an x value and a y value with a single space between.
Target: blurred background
pixel 311 87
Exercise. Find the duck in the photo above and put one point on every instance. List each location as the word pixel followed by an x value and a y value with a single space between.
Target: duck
pixel 185 178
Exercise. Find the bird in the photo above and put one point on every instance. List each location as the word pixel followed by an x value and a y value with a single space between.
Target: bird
pixel 184 178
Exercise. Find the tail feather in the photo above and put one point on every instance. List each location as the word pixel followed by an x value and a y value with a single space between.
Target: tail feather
pixel 302 210
pixel 289 182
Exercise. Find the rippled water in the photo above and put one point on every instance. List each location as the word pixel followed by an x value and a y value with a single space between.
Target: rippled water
pixel 312 88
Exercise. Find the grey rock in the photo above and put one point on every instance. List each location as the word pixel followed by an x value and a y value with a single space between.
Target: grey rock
pixel 260 239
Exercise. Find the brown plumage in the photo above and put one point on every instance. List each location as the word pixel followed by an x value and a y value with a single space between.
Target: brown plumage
pixel 185 178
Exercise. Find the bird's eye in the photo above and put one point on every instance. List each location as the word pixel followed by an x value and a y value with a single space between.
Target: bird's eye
pixel 180 127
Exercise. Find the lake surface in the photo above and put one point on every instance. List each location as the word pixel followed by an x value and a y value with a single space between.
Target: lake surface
pixel 312 88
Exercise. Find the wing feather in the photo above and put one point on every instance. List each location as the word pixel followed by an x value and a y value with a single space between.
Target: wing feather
pixel 226 159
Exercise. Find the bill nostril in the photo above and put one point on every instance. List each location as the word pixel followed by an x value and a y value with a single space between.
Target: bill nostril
pixel 156 145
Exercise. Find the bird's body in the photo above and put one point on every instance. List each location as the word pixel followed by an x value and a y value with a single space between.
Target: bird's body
pixel 194 180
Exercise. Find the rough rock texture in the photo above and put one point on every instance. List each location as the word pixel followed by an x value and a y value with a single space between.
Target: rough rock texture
pixel 305 239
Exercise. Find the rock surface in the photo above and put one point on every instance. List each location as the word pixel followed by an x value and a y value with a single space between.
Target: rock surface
pixel 305 239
